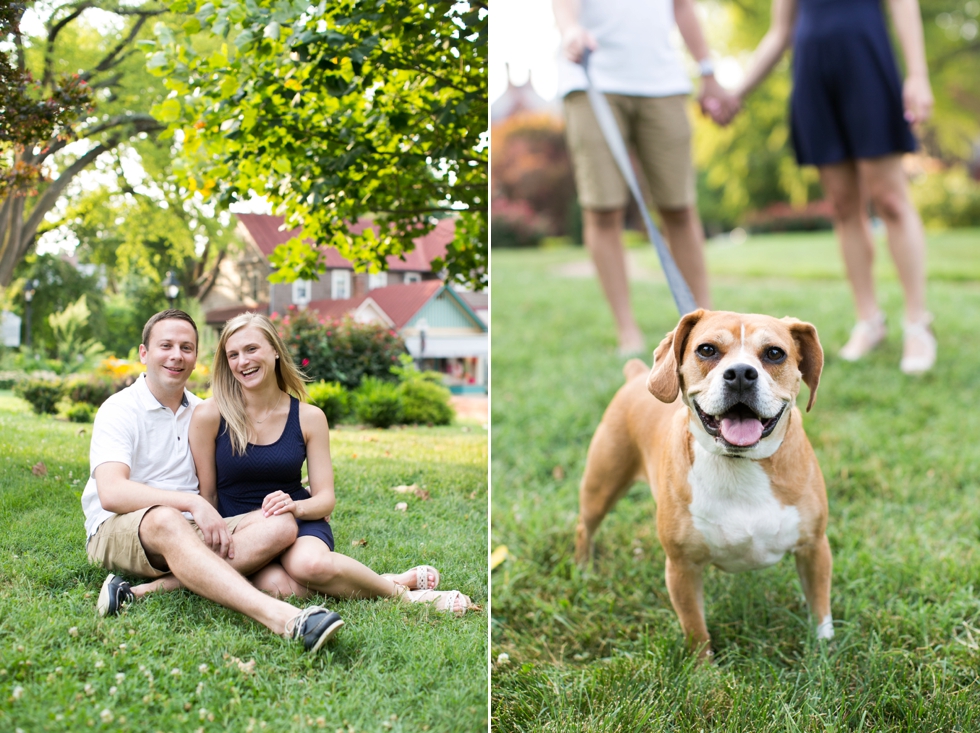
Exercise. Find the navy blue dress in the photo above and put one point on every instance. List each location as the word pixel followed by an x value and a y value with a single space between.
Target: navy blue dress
pixel 847 94
pixel 245 480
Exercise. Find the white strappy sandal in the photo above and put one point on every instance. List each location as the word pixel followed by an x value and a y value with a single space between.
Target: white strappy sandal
pixel 865 336
pixel 921 332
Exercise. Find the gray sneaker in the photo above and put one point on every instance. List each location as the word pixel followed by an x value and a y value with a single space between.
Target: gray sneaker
pixel 314 625
pixel 115 592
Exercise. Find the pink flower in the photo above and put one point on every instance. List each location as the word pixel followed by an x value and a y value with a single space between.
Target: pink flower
pixel 274 315
pixel 305 362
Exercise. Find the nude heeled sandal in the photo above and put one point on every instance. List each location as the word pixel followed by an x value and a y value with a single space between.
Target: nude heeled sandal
pixel 921 331
pixel 865 336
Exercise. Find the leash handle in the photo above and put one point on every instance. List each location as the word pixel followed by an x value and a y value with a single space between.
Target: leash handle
pixel 679 289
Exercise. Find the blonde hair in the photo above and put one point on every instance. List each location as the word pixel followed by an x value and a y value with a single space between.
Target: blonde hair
pixel 227 390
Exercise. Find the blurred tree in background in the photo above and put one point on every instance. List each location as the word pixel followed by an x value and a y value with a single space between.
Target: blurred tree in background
pixel 533 193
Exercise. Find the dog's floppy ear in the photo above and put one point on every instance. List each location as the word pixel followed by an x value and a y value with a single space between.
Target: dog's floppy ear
pixel 664 382
pixel 811 354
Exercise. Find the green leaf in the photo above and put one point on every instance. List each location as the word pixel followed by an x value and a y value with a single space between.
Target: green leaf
pixel 167 111
pixel 157 61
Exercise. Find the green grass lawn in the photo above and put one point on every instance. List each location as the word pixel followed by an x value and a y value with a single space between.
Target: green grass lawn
pixel 177 662
pixel 603 651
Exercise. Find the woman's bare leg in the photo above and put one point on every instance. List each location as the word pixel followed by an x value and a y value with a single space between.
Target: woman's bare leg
pixel 842 188
pixel 885 181
pixel 311 564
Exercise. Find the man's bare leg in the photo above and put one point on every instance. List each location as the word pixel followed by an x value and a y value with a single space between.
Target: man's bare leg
pixel 685 237
pixel 257 540
pixel 169 539
pixel 603 234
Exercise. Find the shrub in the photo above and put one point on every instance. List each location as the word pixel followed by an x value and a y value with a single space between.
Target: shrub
pixel 332 398
pixel 81 412
pixel 515 224
pixel 9 379
pixel 783 217
pixel 339 351
pixel 92 389
pixel 43 394
pixel 425 402
pixel 947 199
pixel 377 403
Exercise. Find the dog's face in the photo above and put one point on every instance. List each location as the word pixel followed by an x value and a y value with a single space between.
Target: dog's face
pixel 739 374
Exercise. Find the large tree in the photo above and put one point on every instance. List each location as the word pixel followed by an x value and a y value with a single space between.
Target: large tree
pixel 334 112
pixel 71 54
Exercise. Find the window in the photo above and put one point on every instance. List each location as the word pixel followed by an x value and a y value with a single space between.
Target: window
pixel 340 284
pixel 413 277
pixel 302 290
pixel 377 280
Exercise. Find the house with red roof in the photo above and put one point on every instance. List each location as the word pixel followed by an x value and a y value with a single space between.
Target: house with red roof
pixel 443 329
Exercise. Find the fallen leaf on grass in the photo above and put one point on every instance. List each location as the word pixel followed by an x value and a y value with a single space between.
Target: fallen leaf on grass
pixel 413 489
pixel 498 556
pixel 359 543
pixel 39 469
pixel 244 667
pixel 558 473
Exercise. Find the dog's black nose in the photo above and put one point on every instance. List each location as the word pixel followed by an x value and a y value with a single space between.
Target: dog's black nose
pixel 741 377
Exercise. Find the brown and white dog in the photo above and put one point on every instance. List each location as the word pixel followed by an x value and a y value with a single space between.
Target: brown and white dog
pixel 736 482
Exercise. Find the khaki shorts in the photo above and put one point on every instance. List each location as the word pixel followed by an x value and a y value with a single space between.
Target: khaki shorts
pixel 116 544
pixel 656 129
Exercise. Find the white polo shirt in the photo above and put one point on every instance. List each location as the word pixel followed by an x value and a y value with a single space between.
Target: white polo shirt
pixel 133 428
pixel 635 52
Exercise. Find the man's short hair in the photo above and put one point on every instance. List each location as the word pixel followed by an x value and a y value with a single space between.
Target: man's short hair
pixel 171 313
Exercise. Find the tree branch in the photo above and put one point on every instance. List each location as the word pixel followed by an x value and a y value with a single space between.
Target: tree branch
pixel 53 32
pixel 47 200
pixel 110 59
pixel 140 122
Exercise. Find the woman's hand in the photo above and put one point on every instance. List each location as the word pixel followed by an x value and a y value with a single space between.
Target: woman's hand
pixel 278 502
pixel 917 99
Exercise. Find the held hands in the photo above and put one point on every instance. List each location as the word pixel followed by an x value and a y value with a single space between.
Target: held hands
pixel 214 529
pixel 717 102
pixel 574 42
pixel 917 99
pixel 278 502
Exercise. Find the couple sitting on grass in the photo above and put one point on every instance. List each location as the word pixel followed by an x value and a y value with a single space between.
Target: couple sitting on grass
pixel 201 495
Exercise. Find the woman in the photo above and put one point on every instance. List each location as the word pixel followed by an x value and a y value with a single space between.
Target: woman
pixel 249 443
pixel 850 117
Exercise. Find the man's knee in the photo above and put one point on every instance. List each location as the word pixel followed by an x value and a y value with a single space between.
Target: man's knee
pixel 678 217
pixel 163 523
pixel 606 219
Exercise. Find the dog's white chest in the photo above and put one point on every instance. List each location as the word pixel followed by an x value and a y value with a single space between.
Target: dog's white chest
pixel 734 509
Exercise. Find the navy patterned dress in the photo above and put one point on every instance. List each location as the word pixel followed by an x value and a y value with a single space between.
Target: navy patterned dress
pixel 245 480
pixel 847 94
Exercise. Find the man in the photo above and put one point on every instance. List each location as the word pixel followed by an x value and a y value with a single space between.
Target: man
pixel 641 74
pixel 144 515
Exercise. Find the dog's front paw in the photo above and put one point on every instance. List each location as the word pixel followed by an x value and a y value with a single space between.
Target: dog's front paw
pixel 826 628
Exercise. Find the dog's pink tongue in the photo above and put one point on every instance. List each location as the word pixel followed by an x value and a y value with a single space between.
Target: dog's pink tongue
pixel 741 431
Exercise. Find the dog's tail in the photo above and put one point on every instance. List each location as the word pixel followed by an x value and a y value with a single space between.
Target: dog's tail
pixel 634 367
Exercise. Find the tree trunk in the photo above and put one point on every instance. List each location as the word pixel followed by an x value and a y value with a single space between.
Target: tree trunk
pixel 17 234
